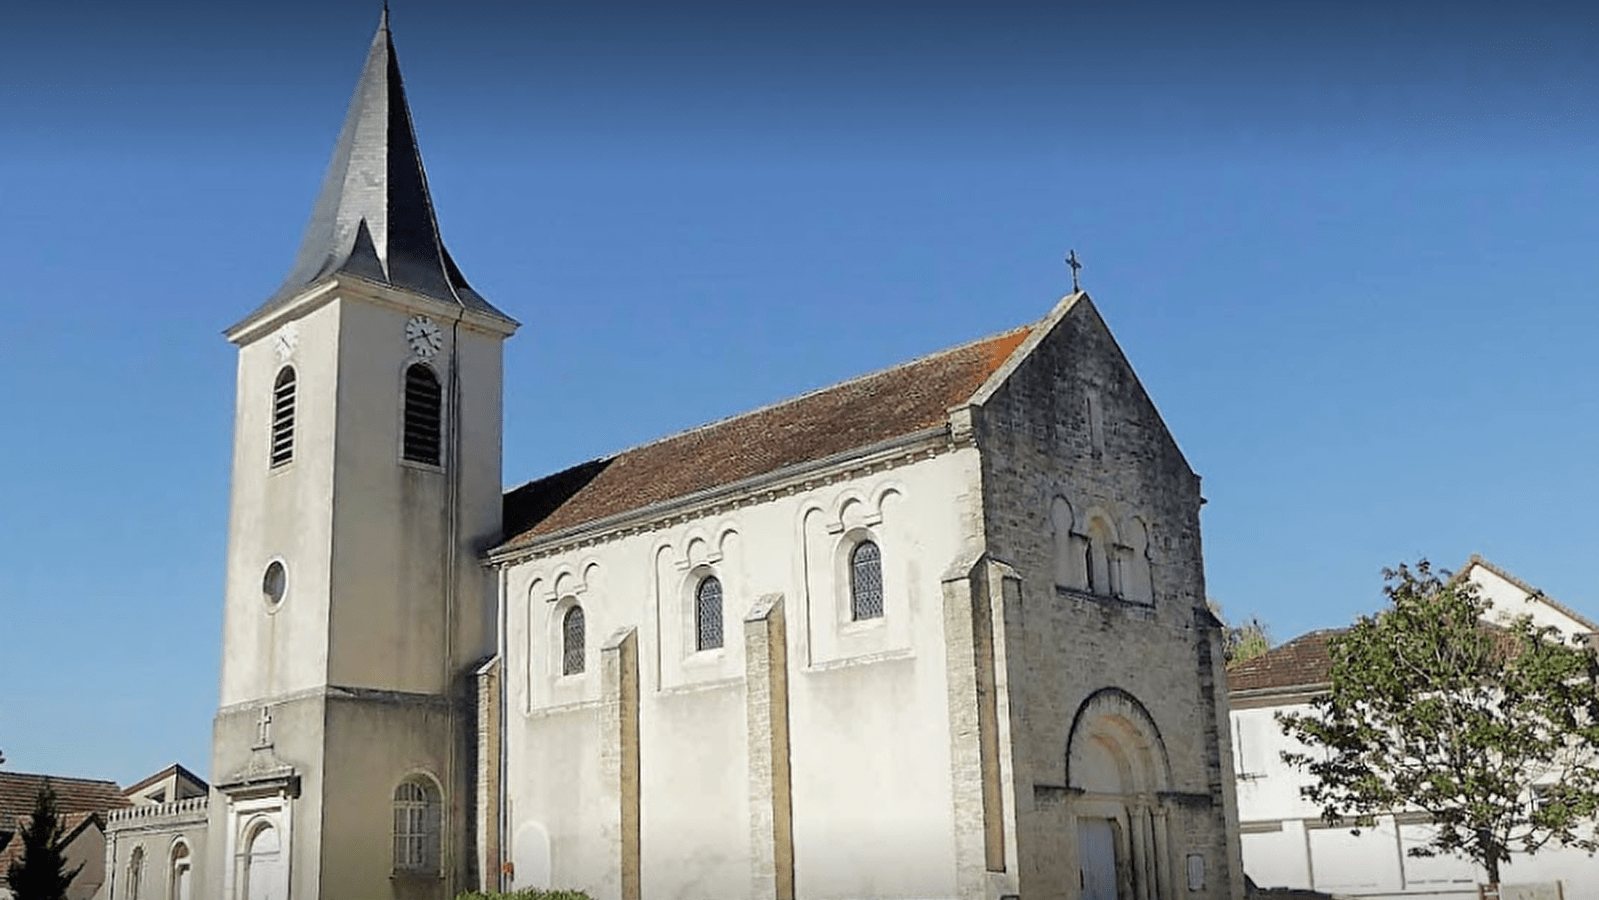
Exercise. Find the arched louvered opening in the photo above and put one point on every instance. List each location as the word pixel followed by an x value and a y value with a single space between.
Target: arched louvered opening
pixel 572 642
pixel 283 417
pixel 424 415
pixel 865 581
pixel 708 614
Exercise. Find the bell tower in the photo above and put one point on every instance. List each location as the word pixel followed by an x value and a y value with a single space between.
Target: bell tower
pixel 366 481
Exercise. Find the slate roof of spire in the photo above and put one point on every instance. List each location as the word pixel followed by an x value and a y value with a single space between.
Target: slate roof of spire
pixel 374 216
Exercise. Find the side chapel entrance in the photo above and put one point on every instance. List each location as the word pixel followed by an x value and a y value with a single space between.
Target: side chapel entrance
pixel 1116 763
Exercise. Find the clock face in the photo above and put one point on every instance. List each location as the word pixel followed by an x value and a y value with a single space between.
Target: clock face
pixel 424 336
pixel 283 343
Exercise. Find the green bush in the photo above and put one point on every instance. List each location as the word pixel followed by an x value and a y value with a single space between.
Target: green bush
pixel 529 894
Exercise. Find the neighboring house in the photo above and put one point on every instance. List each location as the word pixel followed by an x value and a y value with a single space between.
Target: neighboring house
pixel 83 804
pixel 1286 843
pixel 155 848
pixel 934 632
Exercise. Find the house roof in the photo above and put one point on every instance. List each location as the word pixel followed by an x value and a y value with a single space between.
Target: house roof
pixel 1302 662
pixel 1478 560
pixel 177 769
pixel 855 414
pixel 80 800
pixel 374 216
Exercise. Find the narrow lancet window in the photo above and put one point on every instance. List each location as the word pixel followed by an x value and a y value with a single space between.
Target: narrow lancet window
pixel 424 408
pixel 708 614
pixel 865 581
pixel 283 417
pixel 572 642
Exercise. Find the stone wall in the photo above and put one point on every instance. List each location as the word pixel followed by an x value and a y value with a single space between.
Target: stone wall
pixel 1088 499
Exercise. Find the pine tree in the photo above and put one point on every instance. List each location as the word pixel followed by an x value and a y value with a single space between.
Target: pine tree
pixel 41 872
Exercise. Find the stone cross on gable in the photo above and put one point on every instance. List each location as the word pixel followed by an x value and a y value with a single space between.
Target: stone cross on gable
pixel 1071 260
pixel 263 724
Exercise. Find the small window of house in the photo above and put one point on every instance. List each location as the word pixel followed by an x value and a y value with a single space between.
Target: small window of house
pixel 708 614
pixel 424 408
pixel 283 417
pixel 572 642
pixel 865 581
pixel 416 828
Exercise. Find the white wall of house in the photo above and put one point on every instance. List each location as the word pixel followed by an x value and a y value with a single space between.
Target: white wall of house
pixel 1286 844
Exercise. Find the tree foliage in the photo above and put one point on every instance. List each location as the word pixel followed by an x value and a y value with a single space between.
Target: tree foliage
pixel 1241 642
pixel 1491 729
pixel 40 873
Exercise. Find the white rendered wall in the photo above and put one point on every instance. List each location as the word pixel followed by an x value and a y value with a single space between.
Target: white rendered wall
pixel 1286 844
pixel 868 700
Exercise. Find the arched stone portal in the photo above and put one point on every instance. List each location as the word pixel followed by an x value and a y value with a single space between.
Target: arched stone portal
pixel 1116 767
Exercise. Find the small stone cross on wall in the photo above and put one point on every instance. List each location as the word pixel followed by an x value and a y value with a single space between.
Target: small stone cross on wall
pixel 263 728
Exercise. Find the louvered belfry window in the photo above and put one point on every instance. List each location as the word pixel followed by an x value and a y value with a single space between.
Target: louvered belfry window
pixel 424 409
pixel 283 417
pixel 572 642
pixel 708 614
pixel 865 581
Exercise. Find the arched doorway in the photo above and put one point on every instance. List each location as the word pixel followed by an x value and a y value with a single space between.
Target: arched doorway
pixel 264 870
pixel 1117 767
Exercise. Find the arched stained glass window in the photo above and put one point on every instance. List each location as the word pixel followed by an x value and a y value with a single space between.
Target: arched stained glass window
pixel 282 449
pixel 708 614
pixel 572 642
pixel 424 415
pixel 416 828
pixel 865 581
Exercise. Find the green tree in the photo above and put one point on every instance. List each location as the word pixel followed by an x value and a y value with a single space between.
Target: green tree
pixel 1491 730
pixel 1241 642
pixel 40 873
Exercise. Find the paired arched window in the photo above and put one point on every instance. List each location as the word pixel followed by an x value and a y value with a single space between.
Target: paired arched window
pixel 282 449
pixel 865 581
pixel 416 827
pixel 572 642
pixel 708 614
pixel 135 872
pixel 1101 555
pixel 424 415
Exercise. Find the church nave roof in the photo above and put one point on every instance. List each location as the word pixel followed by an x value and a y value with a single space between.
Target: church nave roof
pixel 847 416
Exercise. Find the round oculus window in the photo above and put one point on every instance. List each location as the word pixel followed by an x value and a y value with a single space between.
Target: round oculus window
pixel 274 583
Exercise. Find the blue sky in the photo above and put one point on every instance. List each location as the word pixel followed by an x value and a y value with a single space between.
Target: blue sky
pixel 1349 247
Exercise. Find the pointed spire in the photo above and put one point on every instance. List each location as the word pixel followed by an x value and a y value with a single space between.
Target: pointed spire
pixel 374 216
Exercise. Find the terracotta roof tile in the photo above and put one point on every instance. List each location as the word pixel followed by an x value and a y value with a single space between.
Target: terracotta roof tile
pixel 858 413
pixel 1306 661
pixel 78 799
pixel 1303 661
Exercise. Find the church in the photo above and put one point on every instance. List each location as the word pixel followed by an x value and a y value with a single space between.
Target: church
pixel 935 632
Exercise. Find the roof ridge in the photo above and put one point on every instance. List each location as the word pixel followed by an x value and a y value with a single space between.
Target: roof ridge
pixel 796 398
pixel 1477 559
pixel 72 778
